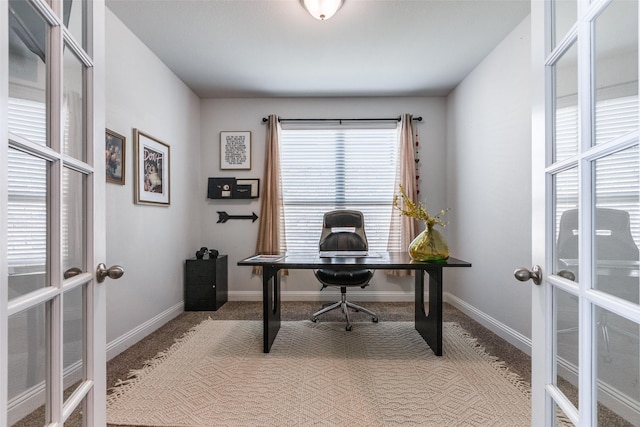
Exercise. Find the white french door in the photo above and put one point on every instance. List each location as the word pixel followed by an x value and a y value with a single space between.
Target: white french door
pixel 52 308
pixel 586 218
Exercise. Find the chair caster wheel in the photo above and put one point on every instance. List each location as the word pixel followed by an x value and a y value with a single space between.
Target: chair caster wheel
pixel 348 328
pixel 374 320
pixel 314 319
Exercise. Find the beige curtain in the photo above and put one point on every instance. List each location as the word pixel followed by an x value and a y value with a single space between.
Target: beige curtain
pixel 406 177
pixel 270 205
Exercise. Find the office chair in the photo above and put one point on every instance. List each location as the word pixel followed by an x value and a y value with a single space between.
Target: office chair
pixel 343 230
pixel 613 242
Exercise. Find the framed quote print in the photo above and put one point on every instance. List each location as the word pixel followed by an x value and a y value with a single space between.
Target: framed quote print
pixel 235 150
pixel 152 164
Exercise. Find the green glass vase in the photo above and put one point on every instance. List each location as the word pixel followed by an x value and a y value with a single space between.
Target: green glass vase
pixel 429 246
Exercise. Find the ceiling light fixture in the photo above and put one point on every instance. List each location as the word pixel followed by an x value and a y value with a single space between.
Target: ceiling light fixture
pixel 322 9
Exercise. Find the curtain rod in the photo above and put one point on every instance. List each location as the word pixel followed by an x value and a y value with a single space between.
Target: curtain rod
pixel 418 119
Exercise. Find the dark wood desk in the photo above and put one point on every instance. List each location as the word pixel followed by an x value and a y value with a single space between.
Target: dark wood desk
pixel 429 326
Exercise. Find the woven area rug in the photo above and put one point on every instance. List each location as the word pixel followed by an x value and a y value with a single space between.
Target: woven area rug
pixel 380 374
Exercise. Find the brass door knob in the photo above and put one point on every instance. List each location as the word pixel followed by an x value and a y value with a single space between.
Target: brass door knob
pixel 113 272
pixel 535 274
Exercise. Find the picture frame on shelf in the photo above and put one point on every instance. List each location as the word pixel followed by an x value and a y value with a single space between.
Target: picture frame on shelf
pixel 235 150
pixel 248 188
pixel 152 170
pixel 115 157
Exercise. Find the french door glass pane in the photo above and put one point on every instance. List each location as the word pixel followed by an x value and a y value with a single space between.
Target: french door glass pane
pixel 566 105
pixel 565 193
pixel 617 224
pixel 565 13
pixel 561 418
pixel 28 41
pixel 74 19
pixel 77 417
pixel 28 223
pixel 618 371
pixel 567 334
pixel 27 364
pixel 73 220
pixel 616 70
pixel 74 338
pixel 74 122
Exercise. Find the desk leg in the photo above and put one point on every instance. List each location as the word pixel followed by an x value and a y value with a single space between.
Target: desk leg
pixel 270 306
pixel 430 326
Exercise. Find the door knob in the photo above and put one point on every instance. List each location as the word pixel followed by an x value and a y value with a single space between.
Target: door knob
pixel 567 274
pixel 113 272
pixel 522 274
pixel 73 271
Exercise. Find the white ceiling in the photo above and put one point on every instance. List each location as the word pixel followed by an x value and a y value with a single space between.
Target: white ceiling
pixel 274 48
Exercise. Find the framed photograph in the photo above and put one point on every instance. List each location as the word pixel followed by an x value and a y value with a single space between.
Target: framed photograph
pixel 247 188
pixel 235 150
pixel 152 166
pixel 114 156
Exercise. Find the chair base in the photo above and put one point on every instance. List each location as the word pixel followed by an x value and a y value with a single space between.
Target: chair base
pixel 344 304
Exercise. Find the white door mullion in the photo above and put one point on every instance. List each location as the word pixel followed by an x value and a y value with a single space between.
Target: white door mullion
pixel 55 360
pixel 55 372
pixel 586 407
pixel 4 279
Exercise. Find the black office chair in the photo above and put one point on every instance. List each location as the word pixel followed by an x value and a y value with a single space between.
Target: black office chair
pixel 343 230
pixel 613 242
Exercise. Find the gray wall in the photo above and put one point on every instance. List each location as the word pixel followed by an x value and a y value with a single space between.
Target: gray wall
pixel 150 242
pixel 489 187
pixel 238 238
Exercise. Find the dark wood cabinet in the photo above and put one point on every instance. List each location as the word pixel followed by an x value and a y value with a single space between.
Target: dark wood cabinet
pixel 205 285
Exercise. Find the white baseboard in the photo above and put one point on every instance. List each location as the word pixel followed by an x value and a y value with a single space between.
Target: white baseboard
pixel 508 334
pixel 125 341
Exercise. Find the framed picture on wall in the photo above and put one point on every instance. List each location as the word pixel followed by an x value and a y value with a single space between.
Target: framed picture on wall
pixel 235 150
pixel 114 156
pixel 152 166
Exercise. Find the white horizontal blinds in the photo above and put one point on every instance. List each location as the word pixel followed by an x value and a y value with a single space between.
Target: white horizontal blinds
pixel 616 117
pixel 566 133
pixel 617 184
pixel 336 168
pixel 617 181
pixel 28 119
pixel 27 204
pixel 26 213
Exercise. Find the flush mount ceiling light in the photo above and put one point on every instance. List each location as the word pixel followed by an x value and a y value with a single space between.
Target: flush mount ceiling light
pixel 322 9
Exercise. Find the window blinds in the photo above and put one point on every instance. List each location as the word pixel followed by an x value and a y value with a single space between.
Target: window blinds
pixel 27 204
pixel 617 176
pixel 336 168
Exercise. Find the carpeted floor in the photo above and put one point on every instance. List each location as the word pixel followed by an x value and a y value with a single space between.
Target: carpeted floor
pixel 135 357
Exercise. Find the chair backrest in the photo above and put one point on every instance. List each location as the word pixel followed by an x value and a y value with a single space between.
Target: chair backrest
pixel 343 230
pixel 613 235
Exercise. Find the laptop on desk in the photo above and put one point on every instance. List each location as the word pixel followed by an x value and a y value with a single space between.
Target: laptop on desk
pixel 344 254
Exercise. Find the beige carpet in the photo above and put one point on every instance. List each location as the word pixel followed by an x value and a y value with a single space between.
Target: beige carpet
pixel 380 374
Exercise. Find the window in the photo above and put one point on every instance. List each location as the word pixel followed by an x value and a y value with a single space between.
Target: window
pixel 337 168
